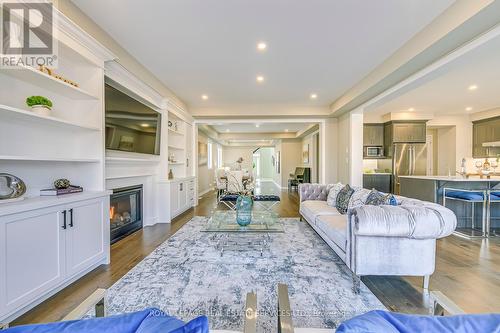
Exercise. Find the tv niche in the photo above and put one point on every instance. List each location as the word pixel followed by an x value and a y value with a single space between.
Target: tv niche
pixel 131 126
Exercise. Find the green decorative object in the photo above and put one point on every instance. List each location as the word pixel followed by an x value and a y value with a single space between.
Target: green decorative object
pixel 244 205
pixel 38 101
pixel 61 183
pixel 40 105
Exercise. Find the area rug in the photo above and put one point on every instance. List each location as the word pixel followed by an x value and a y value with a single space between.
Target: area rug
pixel 186 277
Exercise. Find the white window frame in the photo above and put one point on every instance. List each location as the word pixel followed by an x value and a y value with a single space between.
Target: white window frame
pixel 210 162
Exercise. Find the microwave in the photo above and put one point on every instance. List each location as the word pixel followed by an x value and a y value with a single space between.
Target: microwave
pixel 373 152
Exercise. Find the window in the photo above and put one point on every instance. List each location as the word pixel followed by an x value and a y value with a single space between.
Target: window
pixel 209 155
pixel 219 156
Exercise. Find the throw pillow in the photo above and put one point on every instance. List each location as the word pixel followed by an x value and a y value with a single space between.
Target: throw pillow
pixel 376 198
pixel 342 203
pixel 358 198
pixel 331 200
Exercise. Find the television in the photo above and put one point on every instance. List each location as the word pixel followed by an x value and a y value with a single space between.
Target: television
pixel 131 126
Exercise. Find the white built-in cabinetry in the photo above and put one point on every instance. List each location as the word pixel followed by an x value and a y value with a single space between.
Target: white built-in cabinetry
pixel 181 195
pixel 47 248
pixel 49 242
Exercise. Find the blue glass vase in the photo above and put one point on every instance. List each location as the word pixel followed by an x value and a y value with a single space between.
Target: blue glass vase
pixel 244 206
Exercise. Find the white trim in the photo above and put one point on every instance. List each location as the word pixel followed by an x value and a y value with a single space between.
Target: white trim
pixel 120 78
pixel 179 112
pixel 73 30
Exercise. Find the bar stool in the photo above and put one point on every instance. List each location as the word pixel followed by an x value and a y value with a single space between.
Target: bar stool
pixel 493 197
pixel 472 197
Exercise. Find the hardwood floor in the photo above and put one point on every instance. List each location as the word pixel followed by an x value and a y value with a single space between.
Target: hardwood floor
pixel 468 272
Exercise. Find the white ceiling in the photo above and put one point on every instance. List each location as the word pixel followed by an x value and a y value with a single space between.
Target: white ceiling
pixel 209 47
pixel 447 92
pixel 263 127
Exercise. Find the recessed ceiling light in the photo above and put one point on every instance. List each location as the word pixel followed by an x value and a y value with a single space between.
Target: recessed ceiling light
pixel 472 87
pixel 205 97
pixel 144 125
pixel 468 108
pixel 261 46
pixel 257 125
pixel 411 109
pixel 260 78
pixel 314 96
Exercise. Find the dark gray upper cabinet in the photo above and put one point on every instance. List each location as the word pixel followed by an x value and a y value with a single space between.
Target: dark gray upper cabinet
pixel 373 134
pixel 405 132
pixel 486 130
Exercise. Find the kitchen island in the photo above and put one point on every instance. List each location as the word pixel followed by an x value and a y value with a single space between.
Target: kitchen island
pixel 430 188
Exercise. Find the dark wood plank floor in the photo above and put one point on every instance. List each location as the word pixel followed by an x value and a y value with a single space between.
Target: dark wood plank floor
pixel 466 271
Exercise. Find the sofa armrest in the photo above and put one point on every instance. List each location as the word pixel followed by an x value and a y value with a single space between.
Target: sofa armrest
pixel 313 192
pixel 426 221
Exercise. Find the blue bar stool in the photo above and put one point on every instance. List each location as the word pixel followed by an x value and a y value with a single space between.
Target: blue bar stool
pixel 473 197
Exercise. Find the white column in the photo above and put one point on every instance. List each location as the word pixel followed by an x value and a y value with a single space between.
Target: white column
pixel 350 147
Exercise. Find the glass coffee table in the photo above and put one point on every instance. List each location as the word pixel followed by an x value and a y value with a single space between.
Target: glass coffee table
pixel 229 235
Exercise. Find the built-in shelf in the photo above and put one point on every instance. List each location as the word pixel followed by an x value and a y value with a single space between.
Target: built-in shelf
pixel 34 76
pixel 7 111
pixel 175 132
pixel 48 159
pixel 174 147
pixel 176 163
pixel 132 159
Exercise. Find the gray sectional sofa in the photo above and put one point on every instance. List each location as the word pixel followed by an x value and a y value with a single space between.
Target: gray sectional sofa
pixel 379 240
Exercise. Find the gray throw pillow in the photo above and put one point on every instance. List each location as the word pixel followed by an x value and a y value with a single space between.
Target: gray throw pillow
pixel 342 203
pixel 331 200
pixel 375 198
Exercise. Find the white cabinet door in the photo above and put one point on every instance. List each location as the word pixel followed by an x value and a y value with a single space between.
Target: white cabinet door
pixel 32 256
pixel 85 235
pixel 174 199
pixel 182 196
pixel 190 193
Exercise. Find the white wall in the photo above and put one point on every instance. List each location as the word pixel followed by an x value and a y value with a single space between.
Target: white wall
pixel 206 177
pixel 230 155
pixel 291 157
pixel 267 170
pixel 350 148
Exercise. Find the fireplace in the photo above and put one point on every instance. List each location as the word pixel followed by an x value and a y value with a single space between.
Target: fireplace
pixel 125 212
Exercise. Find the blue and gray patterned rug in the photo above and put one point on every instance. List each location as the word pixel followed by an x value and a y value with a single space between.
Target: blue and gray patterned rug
pixel 187 277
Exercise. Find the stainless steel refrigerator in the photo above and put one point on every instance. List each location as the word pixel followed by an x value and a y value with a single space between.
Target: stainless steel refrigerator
pixel 408 159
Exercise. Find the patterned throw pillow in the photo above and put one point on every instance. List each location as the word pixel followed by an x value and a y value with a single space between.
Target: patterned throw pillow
pixel 376 198
pixel 358 198
pixel 343 197
pixel 331 200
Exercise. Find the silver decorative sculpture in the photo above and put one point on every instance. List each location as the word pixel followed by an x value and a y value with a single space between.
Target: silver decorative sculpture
pixel 11 187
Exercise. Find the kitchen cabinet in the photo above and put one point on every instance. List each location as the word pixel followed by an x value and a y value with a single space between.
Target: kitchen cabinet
pixel 181 195
pixel 44 249
pixel 487 130
pixel 408 132
pixel 373 134
pixel 380 182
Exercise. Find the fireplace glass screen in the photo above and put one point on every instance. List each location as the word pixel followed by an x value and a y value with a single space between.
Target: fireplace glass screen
pixel 125 212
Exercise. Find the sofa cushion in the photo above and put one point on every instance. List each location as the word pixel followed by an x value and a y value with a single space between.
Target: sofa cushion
pixel 311 209
pixel 342 203
pixel 331 200
pixel 335 227
pixel 358 198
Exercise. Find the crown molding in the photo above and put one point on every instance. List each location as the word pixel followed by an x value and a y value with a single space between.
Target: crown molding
pixel 72 30
pixel 120 78
pixel 179 112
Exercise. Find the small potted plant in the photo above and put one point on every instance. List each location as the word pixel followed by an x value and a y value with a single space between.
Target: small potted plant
pixel 39 104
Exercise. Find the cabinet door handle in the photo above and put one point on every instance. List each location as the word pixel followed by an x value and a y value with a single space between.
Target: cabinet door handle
pixel 64 220
pixel 71 217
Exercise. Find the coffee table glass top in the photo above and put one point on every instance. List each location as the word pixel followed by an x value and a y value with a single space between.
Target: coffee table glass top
pixel 262 221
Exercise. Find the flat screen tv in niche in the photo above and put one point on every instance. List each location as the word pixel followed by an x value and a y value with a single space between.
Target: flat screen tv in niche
pixel 130 125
